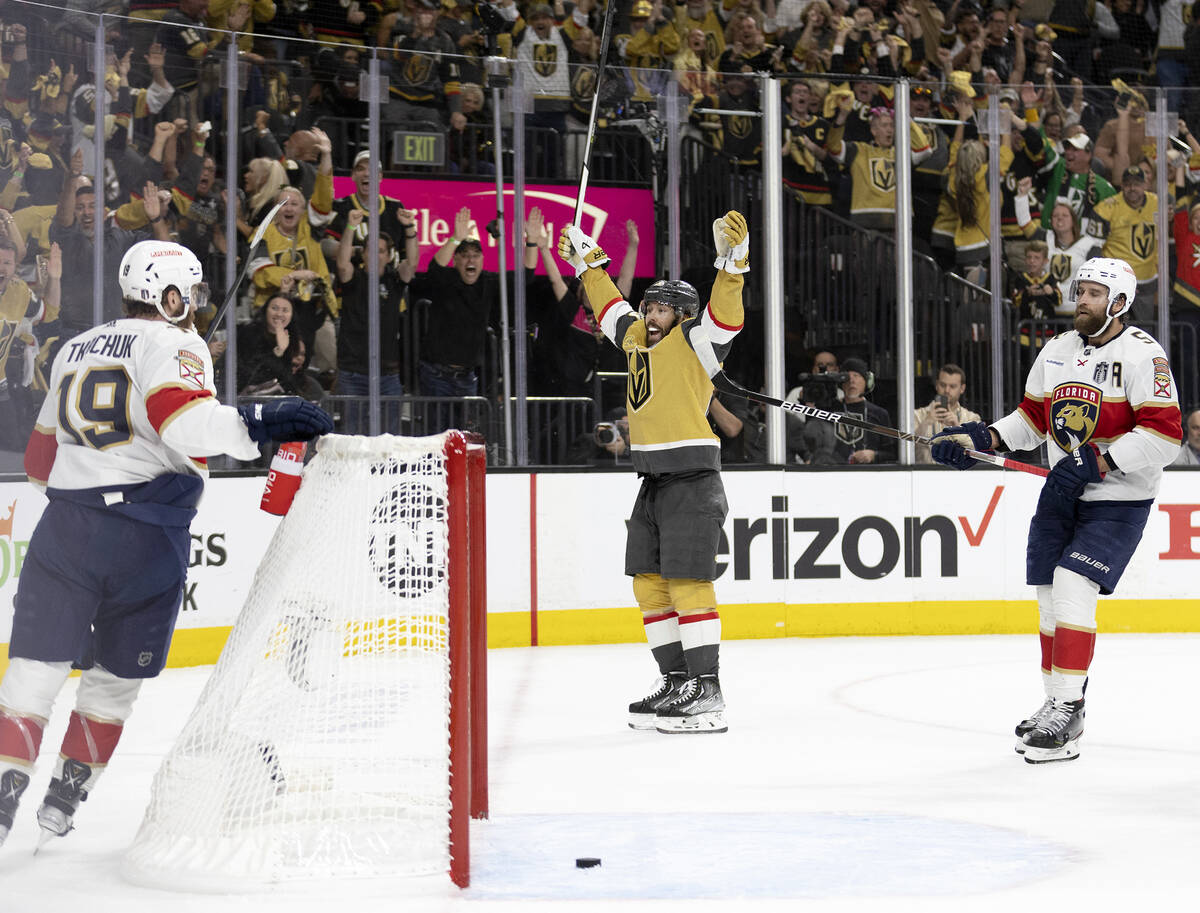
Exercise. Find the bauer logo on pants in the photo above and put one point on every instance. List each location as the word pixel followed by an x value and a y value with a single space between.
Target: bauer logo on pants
pixel 1074 411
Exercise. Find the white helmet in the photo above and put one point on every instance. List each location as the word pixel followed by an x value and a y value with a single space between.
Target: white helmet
pixel 150 268
pixel 1115 275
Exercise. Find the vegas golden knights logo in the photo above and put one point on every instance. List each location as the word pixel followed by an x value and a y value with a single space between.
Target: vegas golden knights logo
pixel 417 69
pixel 584 84
pixel 1141 240
pixel 1060 268
pixel 1074 412
pixel 883 174
pixel 545 59
pixel 292 258
pixel 738 125
pixel 639 389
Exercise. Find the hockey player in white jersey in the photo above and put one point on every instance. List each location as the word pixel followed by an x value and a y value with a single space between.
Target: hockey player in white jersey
pixel 1103 398
pixel 120 448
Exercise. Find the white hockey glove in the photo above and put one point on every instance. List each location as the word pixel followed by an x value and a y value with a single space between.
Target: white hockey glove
pixel 731 237
pixel 580 251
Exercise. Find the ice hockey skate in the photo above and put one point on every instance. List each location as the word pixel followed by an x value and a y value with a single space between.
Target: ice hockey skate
pixel 1056 737
pixel 1031 722
pixel 699 708
pixel 57 813
pixel 12 784
pixel 642 714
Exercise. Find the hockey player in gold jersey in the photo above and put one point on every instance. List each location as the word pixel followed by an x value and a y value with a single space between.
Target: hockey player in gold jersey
pixel 675 527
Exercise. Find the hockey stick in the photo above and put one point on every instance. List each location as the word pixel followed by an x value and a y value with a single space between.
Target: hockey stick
pixel 721 381
pixel 255 240
pixel 601 62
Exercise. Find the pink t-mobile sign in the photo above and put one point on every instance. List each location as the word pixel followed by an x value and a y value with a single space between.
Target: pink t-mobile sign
pixel 605 213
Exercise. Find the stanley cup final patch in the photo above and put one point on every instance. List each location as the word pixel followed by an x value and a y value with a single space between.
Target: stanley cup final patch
pixel 1074 412
pixel 191 367
pixel 1162 378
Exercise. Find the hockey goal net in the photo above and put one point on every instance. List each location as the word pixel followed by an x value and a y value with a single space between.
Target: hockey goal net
pixel 343 730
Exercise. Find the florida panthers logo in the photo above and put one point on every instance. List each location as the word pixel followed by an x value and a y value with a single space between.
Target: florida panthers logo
pixel 883 175
pixel 640 388
pixel 1074 412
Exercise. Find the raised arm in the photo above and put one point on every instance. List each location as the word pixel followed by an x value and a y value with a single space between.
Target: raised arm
pixel 462 225
pixel 629 261
pixel 345 251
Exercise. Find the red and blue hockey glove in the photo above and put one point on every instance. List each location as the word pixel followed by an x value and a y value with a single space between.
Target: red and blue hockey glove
pixel 1074 472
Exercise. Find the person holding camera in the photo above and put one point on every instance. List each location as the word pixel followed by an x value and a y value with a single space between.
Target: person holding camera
pixel 814 442
pixel 675 528
pixel 944 409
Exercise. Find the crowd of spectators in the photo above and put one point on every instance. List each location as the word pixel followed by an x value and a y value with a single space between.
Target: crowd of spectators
pixel 1078 165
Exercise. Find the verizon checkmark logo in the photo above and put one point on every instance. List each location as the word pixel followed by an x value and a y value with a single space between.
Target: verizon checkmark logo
pixel 974 539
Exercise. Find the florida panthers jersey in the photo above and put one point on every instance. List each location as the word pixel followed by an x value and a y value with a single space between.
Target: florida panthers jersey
pixel 130 401
pixel 1120 396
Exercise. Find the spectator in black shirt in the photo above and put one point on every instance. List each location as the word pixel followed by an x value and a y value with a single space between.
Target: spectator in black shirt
pixel 391 223
pixel 462 297
pixel 855 445
pixel 353 279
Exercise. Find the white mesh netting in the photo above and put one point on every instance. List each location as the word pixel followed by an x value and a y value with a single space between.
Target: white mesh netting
pixel 320 745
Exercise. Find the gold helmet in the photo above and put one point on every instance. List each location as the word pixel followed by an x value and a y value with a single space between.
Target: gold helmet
pixel 641 10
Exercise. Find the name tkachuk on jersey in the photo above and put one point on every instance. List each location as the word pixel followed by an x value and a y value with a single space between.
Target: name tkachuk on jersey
pixel 1119 396
pixel 128 401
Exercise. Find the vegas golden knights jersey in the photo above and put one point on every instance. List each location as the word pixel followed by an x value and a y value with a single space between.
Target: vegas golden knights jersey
pixel 668 390
pixel 802 170
pixel 1130 234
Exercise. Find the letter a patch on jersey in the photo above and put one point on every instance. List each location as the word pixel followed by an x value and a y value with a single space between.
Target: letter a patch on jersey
pixel 1074 411
pixel 640 386
pixel 191 367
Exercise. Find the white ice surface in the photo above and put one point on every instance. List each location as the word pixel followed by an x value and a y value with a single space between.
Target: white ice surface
pixel 858 774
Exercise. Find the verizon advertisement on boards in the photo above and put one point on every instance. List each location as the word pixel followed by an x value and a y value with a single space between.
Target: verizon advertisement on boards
pixel 836 539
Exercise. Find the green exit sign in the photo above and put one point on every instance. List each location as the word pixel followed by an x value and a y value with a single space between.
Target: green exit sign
pixel 409 148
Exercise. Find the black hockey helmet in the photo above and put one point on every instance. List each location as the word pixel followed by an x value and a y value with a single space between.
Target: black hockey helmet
pixel 678 294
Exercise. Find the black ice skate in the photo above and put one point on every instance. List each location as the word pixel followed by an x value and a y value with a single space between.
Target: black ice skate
pixel 1056 738
pixel 12 784
pixel 699 708
pixel 642 713
pixel 1032 722
pixel 62 800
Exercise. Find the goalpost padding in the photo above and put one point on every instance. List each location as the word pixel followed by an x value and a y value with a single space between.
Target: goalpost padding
pixel 343 730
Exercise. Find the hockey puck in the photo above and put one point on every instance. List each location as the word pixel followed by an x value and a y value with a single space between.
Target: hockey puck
pixel 587 862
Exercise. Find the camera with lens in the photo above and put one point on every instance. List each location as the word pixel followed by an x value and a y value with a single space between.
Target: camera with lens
pixel 605 433
pixel 820 390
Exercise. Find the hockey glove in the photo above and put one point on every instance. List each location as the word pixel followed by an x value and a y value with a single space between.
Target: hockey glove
pixel 1074 472
pixel 949 452
pixel 289 419
pixel 731 238
pixel 580 251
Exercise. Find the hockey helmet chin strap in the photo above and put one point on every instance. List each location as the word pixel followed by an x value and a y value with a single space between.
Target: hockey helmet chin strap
pixel 1110 316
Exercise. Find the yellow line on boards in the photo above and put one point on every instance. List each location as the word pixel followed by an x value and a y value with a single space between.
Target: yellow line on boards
pixel 562 627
